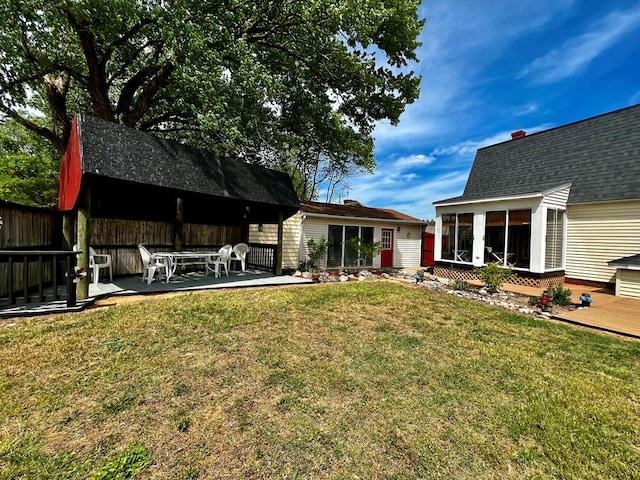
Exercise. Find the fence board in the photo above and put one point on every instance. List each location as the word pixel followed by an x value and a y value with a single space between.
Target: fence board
pixel 39 229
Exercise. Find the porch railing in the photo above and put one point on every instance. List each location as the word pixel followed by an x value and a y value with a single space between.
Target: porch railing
pixel 36 276
pixel 262 256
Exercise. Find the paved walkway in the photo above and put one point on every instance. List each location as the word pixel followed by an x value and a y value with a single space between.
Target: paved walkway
pixel 609 313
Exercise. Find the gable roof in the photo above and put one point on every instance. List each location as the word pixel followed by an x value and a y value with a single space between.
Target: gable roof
pixel 356 210
pixel 126 168
pixel 598 156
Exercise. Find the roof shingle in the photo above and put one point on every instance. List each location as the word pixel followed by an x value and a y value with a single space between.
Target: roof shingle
pixel 599 156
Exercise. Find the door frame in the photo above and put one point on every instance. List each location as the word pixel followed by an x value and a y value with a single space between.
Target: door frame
pixel 388 256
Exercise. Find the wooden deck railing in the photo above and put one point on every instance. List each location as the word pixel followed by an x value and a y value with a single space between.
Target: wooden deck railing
pixel 36 276
pixel 262 256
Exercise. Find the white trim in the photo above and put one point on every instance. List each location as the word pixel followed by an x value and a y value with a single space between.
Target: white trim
pixel 624 266
pixel 603 201
pixel 487 200
pixel 544 193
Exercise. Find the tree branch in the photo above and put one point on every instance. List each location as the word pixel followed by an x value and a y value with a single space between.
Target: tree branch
pixel 97 82
pixel 42 131
pixel 144 100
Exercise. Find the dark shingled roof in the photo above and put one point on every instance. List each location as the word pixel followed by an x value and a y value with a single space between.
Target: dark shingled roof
pixel 356 210
pixel 599 156
pixel 133 172
pixel 633 260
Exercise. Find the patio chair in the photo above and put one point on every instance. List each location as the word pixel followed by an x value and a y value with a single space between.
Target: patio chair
pixel 223 259
pixel 152 264
pixel 96 262
pixel 240 251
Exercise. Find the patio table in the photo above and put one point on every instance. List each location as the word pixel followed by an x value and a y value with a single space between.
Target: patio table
pixel 181 259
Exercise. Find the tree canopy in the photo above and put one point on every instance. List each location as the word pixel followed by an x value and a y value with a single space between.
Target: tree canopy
pixel 295 85
pixel 28 167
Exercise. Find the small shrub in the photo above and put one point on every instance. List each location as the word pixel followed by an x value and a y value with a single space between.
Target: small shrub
pixel 493 275
pixel 559 295
pixel 315 251
pixel 535 302
pixel 460 285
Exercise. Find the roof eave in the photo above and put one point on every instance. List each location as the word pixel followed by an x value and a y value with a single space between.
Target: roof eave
pixel 529 196
pixel 368 219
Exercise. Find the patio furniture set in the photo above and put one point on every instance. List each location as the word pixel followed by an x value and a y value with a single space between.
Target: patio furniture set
pixel 167 263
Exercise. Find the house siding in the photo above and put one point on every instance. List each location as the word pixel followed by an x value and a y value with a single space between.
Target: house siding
pixel 557 199
pixel 599 233
pixel 407 242
pixel 628 283
pixel 290 239
pixel 407 250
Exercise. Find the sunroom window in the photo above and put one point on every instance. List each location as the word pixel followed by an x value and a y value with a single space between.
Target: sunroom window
pixel 457 237
pixel 507 237
pixel 554 236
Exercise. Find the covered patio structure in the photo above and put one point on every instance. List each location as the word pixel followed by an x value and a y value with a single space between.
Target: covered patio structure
pixel 127 187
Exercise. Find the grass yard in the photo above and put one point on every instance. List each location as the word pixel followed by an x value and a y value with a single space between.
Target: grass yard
pixel 338 381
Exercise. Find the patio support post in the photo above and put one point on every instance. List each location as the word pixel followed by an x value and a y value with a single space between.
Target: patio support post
pixel 178 226
pixel 67 230
pixel 84 219
pixel 278 259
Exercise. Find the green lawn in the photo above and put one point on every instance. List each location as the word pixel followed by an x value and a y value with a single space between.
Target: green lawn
pixel 357 380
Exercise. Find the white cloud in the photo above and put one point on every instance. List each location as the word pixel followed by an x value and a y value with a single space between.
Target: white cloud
pixel 412 161
pixel 576 53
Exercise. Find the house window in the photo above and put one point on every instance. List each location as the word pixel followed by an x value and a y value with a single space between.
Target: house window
pixel 554 237
pixel 507 237
pixel 457 237
pixel 386 239
pixel 338 253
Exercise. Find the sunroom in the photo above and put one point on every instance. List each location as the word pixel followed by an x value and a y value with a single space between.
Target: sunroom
pixel 525 233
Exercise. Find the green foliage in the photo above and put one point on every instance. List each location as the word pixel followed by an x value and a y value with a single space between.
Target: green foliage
pixel 365 250
pixel 295 85
pixel 124 465
pixel 535 302
pixel 461 285
pixel 315 251
pixel 559 295
pixel 493 275
pixel 28 167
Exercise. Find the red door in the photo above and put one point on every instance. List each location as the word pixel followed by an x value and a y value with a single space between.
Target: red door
pixel 428 243
pixel 386 255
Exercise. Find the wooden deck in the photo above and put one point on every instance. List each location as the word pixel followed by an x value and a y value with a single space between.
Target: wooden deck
pixel 135 286
pixel 608 313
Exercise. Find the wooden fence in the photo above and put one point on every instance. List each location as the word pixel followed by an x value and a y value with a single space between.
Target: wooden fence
pixel 27 228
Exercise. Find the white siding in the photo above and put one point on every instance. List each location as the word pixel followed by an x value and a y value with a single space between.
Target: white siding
pixel 407 250
pixel 557 199
pixel 629 283
pixel 290 239
pixel 599 233
pixel 407 242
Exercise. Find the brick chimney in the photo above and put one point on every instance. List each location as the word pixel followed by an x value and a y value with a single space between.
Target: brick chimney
pixel 348 201
pixel 518 134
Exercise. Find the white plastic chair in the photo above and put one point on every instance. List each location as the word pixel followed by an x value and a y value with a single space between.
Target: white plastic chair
pixel 152 264
pixel 223 259
pixel 240 251
pixel 96 262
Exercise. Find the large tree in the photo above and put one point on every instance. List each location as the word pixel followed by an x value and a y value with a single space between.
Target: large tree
pixel 293 84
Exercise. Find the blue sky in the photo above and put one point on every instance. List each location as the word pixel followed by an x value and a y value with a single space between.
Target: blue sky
pixel 493 67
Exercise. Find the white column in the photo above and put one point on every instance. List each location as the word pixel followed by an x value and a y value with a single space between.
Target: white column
pixel 538 238
pixel 479 220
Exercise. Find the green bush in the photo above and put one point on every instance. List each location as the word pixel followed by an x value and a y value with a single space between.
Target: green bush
pixel 493 275
pixel 559 295
pixel 460 285
pixel 315 251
